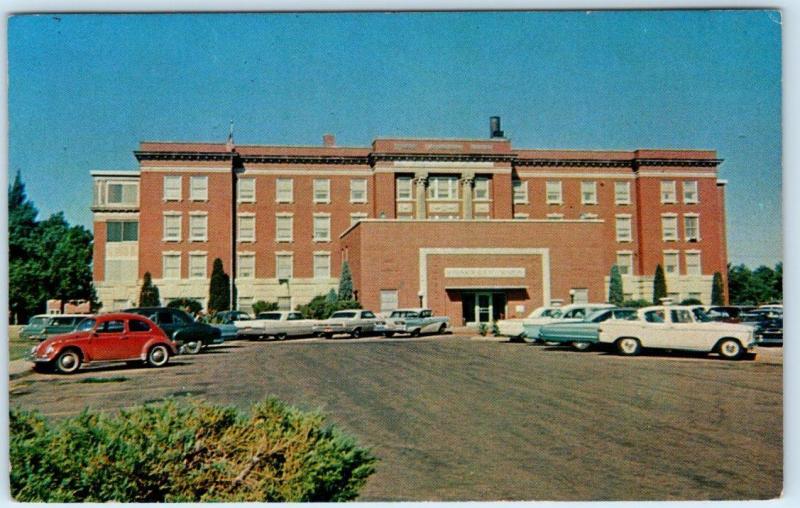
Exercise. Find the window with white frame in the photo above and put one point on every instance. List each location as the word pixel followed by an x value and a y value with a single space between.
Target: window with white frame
pixel 246 190
pixel 404 188
pixel 322 228
pixel 622 193
pixel 284 190
pixel 122 193
pixel 693 263
pixel 555 216
pixel 246 228
pixel 625 262
pixel 521 216
pixel 171 265
pixel 358 190
pixel 669 228
pixel 284 227
pixel 283 265
pixel 246 265
pixel 198 227
pixel 122 231
pixel 482 190
pixel 668 191
pixel 388 300
pixel 322 191
pixel 322 265
pixel 172 227
pixel 553 192
pixel 589 193
pixel 671 263
pixel 690 195
pixel 520 188
pixel 589 216
pixel 691 227
pixel 198 265
pixel 443 187
pixel 198 188
pixel 172 188
pixel 355 217
pixel 623 226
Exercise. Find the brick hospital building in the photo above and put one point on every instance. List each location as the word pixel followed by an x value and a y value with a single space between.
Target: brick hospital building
pixel 473 228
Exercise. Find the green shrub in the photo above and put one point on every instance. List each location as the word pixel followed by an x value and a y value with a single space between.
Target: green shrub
pixel 322 306
pixel 483 329
pixel 187 304
pixel 636 303
pixel 262 306
pixel 495 329
pixel 691 301
pixel 187 453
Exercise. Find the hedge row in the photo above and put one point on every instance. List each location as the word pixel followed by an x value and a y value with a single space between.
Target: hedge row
pixel 185 452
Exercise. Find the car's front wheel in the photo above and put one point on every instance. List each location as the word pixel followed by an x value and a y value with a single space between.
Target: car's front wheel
pixel 281 336
pixel 629 346
pixel 416 332
pixel 192 347
pixel 68 362
pixel 730 349
pixel 158 356
pixel 356 333
pixel 442 329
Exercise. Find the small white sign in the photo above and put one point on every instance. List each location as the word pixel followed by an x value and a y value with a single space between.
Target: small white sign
pixel 498 273
pixel 443 207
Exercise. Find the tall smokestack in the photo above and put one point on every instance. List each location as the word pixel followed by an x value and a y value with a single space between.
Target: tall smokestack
pixel 494 127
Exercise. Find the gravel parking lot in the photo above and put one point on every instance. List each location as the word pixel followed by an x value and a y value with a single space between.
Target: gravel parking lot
pixel 459 418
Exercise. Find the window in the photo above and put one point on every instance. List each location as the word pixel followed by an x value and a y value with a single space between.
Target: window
pixel 481 192
pixel 589 216
pixel 322 191
pixel 555 216
pixel 520 192
pixel 197 265
pixel 669 228
pixel 388 300
pixel 690 195
pixel 355 217
pixel 285 303
pixel 322 228
pixel 691 227
pixel 284 227
pixel 322 265
pixel 622 193
pixel 284 190
pixel 693 266
pixel 122 231
pixel 198 227
pixel 553 192
pixel 443 187
pixel 246 190
pixel 172 188
pixel 137 325
pixel 246 265
pixel 671 263
pixel 625 263
pixel 283 266
pixel 198 188
pixel 623 224
pixel 521 216
pixel 680 316
pixel 172 266
pixel 172 227
pixel 122 194
pixel 111 327
pixel 588 193
pixel 358 190
pixel 246 228
pixel 404 192
pixel 654 316
pixel 668 191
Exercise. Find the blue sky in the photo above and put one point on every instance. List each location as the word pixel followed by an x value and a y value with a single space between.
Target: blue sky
pixel 85 89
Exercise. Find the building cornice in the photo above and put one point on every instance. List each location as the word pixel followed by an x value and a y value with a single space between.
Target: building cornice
pixel 305 159
pixel 635 164
pixel 448 157
pixel 142 155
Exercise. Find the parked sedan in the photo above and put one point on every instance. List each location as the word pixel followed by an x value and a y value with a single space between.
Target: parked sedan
pixel 224 322
pixel 46 325
pixel 413 322
pixel 353 322
pixel 573 312
pixel 512 327
pixel 108 338
pixel 190 335
pixel 582 334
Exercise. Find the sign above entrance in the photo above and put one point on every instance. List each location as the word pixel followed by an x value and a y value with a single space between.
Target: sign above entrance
pixel 505 273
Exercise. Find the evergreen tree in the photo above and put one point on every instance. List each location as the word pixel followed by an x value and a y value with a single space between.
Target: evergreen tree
pixel 219 290
pixel 332 296
pixel 148 296
pixel 615 295
pixel 345 283
pixel 659 286
pixel 26 291
pixel 717 290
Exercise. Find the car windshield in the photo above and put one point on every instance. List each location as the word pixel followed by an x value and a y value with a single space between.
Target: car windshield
pixel 85 325
pixel 553 313
pixel 62 321
pixel 701 316
pixel 270 316
pixel 37 321
pixel 598 316
pixel 341 315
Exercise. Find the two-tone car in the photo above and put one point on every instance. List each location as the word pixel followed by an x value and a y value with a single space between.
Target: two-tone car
pixel 414 322
pixel 677 327
pixel 513 327
pixel 179 326
pixel 225 323
pixel 278 325
pixel 569 313
pixel 116 337
pixel 582 334
pixel 43 326
pixel 353 322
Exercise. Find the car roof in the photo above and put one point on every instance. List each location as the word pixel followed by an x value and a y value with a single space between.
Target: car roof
pixel 412 309
pixel 118 315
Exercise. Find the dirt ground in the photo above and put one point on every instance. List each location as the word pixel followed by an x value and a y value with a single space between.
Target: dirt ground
pixel 454 418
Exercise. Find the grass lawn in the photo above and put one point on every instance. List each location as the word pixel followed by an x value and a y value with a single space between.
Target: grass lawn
pixel 17 348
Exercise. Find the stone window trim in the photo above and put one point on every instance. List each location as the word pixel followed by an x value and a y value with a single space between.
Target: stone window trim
pixel 628 254
pixel 686 227
pixel 250 255
pixel 357 216
pixel 554 192
pixel 198 191
pixel 203 238
pixel 519 192
pixel 278 217
pixel 691 193
pixel 555 216
pixel 240 185
pixel 675 256
pixel 589 192
pixel 284 255
pixel 475 189
pixel 284 187
pixel 194 254
pixel 239 217
pixel 407 181
pixel 355 183
pixel 622 198
pixel 172 255
pixel 521 215
pixel 321 254
pixel 669 219
pixel 322 238
pixel 443 188
pixel 627 236
pixel 325 186
pixel 170 215
pixel 695 254
pixel 668 191
pixel 173 192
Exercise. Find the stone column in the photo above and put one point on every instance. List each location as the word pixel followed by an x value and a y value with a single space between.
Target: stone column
pixel 467 180
pixel 420 184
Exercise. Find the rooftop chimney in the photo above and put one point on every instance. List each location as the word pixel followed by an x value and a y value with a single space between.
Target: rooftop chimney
pixel 328 140
pixel 494 127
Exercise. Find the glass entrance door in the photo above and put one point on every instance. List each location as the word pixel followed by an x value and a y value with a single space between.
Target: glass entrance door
pixel 483 307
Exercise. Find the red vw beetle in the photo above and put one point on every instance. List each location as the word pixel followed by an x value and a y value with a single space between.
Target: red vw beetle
pixel 116 337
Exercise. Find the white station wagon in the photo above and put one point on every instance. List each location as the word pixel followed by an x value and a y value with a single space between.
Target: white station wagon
pixel 677 327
